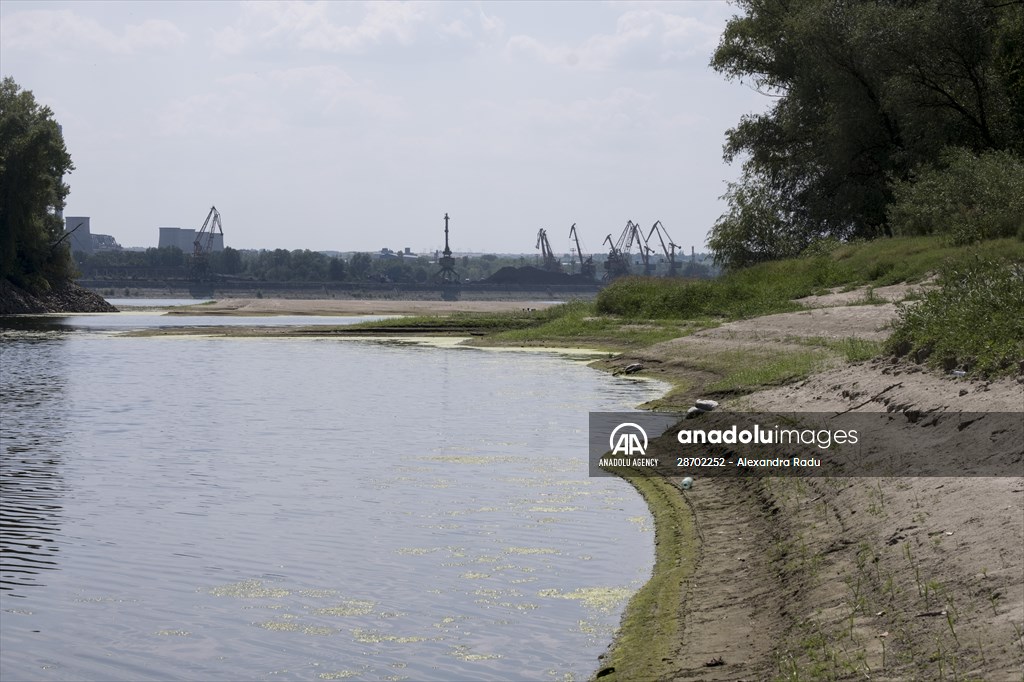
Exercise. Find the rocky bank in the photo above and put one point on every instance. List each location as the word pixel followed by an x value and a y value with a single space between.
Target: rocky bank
pixel 68 298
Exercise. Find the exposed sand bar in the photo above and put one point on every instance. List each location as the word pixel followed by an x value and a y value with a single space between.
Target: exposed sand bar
pixel 290 306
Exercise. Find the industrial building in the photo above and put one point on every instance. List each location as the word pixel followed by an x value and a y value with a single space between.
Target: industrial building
pixel 82 239
pixel 185 238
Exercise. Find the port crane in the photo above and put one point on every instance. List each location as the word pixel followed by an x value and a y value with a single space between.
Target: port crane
pixel 202 247
pixel 635 235
pixel 619 256
pixel 670 250
pixel 617 264
pixel 587 268
pixel 550 261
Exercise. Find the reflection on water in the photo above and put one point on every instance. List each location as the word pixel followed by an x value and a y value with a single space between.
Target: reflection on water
pixel 32 441
pixel 297 509
pixel 122 303
pixel 125 321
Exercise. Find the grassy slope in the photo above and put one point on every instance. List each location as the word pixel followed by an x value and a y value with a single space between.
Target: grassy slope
pixel 771 287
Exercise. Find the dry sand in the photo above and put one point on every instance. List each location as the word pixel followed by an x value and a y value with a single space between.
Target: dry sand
pixel 851 578
pixel 860 578
pixel 292 306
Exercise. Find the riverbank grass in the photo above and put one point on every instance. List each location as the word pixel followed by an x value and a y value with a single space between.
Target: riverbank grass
pixel 649 636
pixel 974 319
pixel 770 288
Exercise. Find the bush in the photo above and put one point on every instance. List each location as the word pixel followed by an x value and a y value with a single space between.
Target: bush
pixel 974 320
pixel 969 199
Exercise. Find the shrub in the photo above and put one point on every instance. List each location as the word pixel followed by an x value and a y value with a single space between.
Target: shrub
pixel 974 319
pixel 968 199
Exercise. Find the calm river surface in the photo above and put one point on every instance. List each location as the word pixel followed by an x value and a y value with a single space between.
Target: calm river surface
pixel 214 509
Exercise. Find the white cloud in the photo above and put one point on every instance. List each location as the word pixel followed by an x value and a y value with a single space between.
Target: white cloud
pixel 588 129
pixel 492 27
pixel 278 101
pixel 66 30
pixel 316 26
pixel 643 38
pixel 393 23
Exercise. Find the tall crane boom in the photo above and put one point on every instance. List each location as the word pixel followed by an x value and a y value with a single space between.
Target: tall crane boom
pixel 670 250
pixel 586 265
pixel 617 264
pixel 550 261
pixel 633 234
pixel 203 244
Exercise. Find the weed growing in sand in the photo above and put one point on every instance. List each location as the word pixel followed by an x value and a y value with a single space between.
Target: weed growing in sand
pixel 950 620
pixel 870 298
pixel 993 599
pixel 850 348
pixel 921 588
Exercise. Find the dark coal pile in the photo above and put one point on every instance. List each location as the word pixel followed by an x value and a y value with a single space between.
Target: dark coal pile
pixel 531 275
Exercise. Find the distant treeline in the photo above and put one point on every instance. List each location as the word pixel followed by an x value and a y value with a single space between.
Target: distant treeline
pixel 299 265
pixel 302 265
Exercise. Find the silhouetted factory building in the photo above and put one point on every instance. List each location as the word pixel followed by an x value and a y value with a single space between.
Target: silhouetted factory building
pixel 184 238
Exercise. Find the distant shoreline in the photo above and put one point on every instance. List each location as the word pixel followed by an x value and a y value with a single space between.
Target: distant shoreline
pixel 244 307
pixel 128 288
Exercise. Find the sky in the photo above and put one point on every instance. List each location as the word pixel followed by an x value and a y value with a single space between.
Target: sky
pixel 356 126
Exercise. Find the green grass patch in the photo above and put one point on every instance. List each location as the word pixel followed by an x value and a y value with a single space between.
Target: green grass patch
pixel 744 371
pixel 973 320
pixel 484 322
pixel 578 324
pixel 850 348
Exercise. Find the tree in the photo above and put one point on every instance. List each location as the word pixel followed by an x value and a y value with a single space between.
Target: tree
pixel 231 261
pixel 865 93
pixel 336 270
pixel 165 256
pixel 754 229
pixel 33 161
pixel 359 265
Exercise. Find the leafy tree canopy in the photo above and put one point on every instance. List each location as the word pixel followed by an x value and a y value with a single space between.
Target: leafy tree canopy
pixel 866 93
pixel 33 161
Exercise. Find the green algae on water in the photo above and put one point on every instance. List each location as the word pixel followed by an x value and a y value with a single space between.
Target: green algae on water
pixel 248 589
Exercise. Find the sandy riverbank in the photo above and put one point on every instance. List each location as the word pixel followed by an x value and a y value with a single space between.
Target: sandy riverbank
pixel 854 578
pixel 843 578
pixel 294 306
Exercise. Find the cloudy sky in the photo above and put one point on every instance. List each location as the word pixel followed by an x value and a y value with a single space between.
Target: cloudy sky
pixel 354 126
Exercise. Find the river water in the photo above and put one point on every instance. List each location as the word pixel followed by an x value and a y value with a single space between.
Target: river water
pixel 214 509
